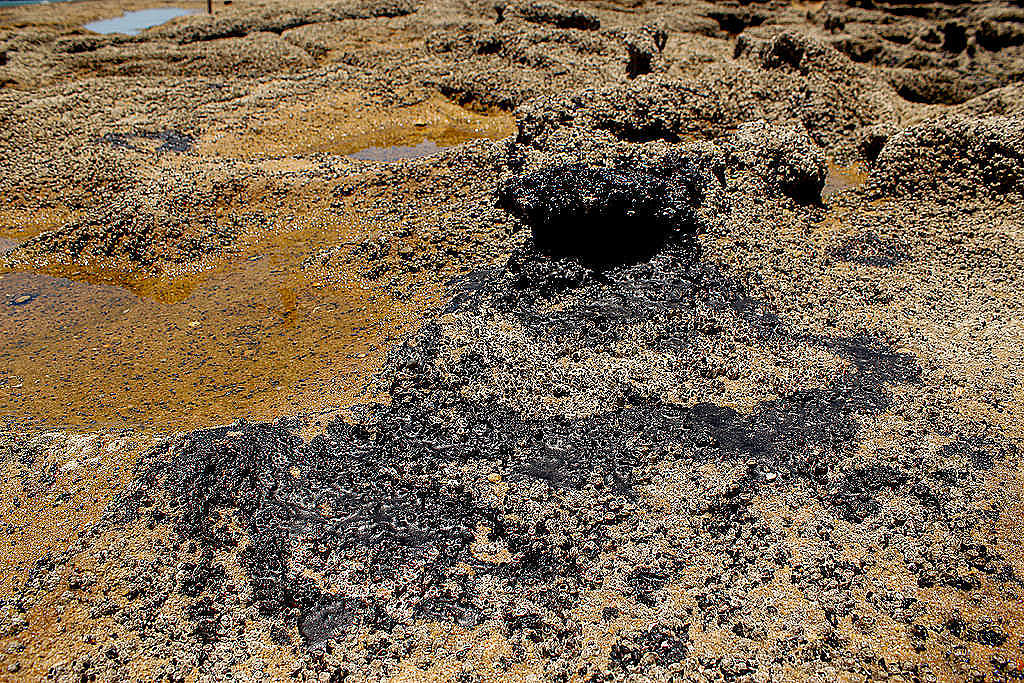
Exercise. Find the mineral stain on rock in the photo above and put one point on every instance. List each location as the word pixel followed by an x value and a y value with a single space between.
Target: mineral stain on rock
pixel 113 349
pixel 344 124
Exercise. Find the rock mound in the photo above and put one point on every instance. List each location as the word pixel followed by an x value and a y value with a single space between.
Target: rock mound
pixel 776 76
pixel 782 158
pixel 606 215
pixel 951 156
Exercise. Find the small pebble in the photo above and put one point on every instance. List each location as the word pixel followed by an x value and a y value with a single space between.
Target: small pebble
pixel 23 299
pixel 770 476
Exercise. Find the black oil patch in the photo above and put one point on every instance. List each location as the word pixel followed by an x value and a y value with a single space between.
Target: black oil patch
pixel 395 501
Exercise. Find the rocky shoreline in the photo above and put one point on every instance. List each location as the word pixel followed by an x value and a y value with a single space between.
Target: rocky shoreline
pixel 708 368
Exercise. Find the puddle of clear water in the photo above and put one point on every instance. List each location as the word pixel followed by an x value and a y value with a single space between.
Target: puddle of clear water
pixel 842 178
pixel 397 152
pixel 130 23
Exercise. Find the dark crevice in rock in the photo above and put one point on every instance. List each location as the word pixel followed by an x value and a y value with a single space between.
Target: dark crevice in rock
pixel 604 216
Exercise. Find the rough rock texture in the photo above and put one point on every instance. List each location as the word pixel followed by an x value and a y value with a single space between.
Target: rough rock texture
pixel 782 157
pixel 712 372
pixel 607 216
pixel 933 53
pixel 957 154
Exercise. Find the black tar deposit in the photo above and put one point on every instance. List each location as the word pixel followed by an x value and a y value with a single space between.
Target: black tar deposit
pixel 372 525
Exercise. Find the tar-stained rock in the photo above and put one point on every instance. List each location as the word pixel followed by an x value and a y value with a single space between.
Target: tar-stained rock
pixel 605 216
pixel 396 502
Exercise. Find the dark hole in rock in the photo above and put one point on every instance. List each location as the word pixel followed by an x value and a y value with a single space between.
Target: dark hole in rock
pixel 911 92
pixel 734 23
pixel 639 63
pixel 954 38
pixel 603 216
pixel 786 50
pixel 489 46
pixel 872 144
pixel 898 38
pixel 996 35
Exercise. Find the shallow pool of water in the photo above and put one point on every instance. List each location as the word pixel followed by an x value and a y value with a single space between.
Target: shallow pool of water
pixel 257 337
pixel 341 124
pixel 841 178
pixel 130 23
pixel 397 152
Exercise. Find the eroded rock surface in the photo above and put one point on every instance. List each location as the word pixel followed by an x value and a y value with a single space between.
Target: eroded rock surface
pixel 711 371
